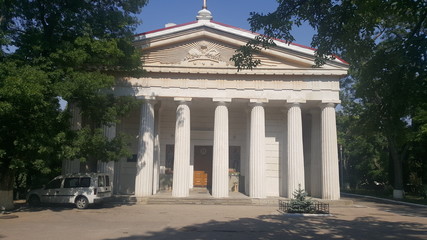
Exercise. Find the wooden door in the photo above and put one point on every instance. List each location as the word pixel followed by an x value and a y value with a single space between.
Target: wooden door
pixel 203 166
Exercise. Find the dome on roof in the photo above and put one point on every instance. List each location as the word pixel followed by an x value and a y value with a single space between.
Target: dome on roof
pixel 204 14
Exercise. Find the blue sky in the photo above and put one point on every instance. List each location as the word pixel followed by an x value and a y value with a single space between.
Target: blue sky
pixel 233 12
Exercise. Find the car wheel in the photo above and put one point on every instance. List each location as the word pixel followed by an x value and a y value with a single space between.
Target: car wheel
pixel 82 203
pixel 34 201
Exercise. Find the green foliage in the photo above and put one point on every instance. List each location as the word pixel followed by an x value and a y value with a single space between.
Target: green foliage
pixel 74 50
pixel 92 144
pixel 244 57
pixel 30 116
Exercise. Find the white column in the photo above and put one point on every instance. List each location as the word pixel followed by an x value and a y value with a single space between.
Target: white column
pixel 316 154
pixel 144 166
pixel 295 149
pixel 220 152
pixel 257 153
pixel 330 174
pixel 73 166
pixel 156 158
pixel 248 149
pixel 181 165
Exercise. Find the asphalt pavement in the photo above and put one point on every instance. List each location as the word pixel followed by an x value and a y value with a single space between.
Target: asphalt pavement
pixel 365 219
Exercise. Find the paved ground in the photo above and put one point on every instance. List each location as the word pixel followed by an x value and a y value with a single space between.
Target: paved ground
pixel 364 220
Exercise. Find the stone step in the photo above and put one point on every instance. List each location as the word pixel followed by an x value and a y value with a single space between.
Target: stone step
pixel 208 200
pixel 198 201
pixel 122 199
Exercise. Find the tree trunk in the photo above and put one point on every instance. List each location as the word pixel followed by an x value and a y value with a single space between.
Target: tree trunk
pixel 397 170
pixel 6 190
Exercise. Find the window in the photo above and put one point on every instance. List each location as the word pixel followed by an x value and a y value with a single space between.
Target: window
pixel 71 182
pixel 107 181
pixel 85 182
pixel 100 181
pixel 56 183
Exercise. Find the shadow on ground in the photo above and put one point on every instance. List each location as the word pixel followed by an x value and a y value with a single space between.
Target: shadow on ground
pixel 23 207
pixel 291 227
pixel 402 208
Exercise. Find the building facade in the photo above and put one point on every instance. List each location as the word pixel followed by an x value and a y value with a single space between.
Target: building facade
pixel 202 123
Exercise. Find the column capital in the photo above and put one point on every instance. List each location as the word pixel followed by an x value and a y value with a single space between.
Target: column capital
pixel 288 105
pixel 335 101
pixel 297 101
pixel 224 100
pixel 327 104
pixel 183 100
pixel 258 100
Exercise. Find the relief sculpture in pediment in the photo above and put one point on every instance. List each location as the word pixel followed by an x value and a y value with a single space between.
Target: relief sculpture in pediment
pixel 204 54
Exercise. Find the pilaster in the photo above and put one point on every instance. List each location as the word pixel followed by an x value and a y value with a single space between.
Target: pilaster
pixel 245 169
pixel 156 158
pixel 108 167
pixel 316 154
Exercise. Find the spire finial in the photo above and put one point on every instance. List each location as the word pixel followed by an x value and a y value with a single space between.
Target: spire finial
pixel 204 14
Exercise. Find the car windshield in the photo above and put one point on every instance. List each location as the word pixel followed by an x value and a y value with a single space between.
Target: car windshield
pixel 55 183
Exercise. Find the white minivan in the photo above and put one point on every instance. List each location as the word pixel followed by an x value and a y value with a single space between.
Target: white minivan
pixel 80 189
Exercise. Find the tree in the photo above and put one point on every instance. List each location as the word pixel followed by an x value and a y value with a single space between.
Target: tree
pixel 364 153
pixel 73 49
pixel 385 43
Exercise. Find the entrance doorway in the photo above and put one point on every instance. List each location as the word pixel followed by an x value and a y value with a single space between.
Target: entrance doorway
pixel 203 166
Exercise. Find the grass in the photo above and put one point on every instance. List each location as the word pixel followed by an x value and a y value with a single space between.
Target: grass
pixel 388 195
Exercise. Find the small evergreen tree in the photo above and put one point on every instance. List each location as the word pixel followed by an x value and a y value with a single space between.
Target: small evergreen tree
pixel 300 203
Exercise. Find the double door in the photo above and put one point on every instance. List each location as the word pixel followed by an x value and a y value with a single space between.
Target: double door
pixel 203 166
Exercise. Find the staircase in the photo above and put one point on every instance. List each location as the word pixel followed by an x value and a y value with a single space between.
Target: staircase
pixel 203 197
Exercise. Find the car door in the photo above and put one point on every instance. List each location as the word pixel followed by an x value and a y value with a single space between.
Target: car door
pixel 69 190
pixel 104 186
pixel 52 190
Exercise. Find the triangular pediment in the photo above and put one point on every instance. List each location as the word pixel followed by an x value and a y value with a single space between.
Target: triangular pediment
pixel 209 47
pixel 205 52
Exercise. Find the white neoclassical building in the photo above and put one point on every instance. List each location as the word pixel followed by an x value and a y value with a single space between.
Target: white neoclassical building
pixel 203 124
